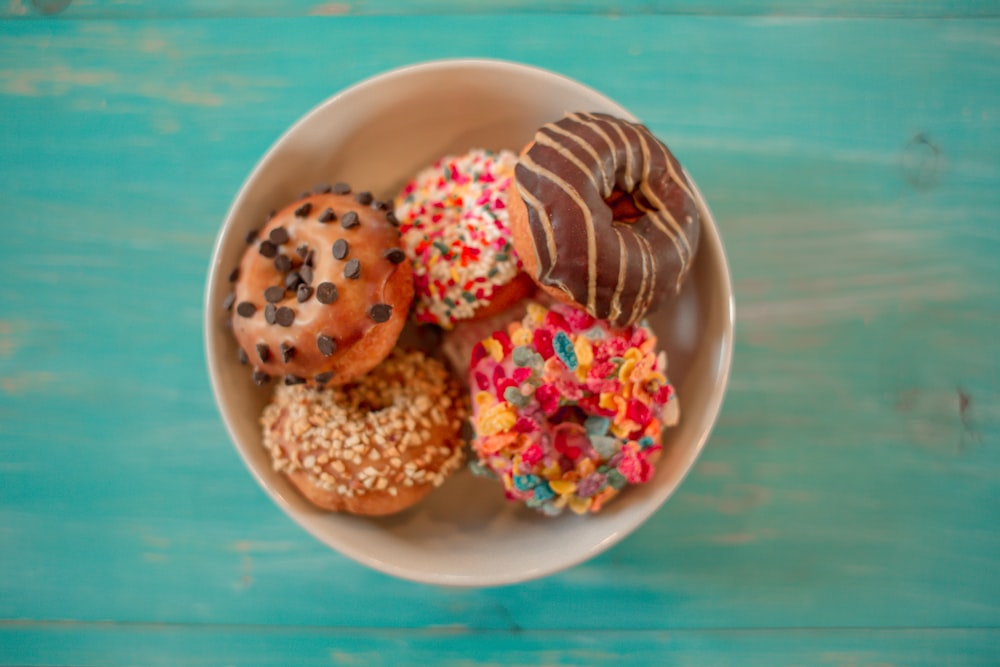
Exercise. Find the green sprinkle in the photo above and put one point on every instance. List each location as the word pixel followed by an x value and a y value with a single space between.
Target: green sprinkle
pixel 605 446
pixel 448 302
pixel 616 480
pixel 522 355
pixel 469 296
pixel 514 396
pixel 502 257
pixel 493 272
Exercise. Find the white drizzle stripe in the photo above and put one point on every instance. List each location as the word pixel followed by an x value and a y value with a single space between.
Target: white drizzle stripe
pixel 548 141
pixel 673 174
pixel 532 203
pixel 583 120
pixel 588 219
pixel 659 205
pixel 653 214
pixel 629 180
pixel 637 302
pixel 616 299
pixel 651 290
pixel 608 185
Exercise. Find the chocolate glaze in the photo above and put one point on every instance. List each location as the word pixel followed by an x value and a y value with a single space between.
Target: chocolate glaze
pixel 616 270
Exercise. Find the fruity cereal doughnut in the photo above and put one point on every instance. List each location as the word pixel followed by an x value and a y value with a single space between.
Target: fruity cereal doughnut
pixel 566 410
pixel 454 226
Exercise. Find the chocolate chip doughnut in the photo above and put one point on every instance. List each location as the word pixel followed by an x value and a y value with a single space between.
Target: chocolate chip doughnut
pixel 603 216
pixel 374 447
pixel 322 291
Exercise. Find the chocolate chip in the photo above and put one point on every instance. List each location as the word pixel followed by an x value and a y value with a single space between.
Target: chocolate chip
pixel 340 249
pixel 303 293
pixel 380 205
pixel 380 312
pixel 341 188
pixel 294 379
pixel 264 352
pixel 327 216
pixel 303 211
pixel 292 280
pixel 268 249
pixel 274 294
pixel 287 352
pixel 227 303
pixel 323 378
pixel 393 220
pixel 302 251
pixel 394 255
pixel 349 219
pixel 246 309
pixel 260 378
pixel 323 188
pixel 310 258
pixel 326 345
pixel 283 263
pixel 234 275
pixel 278 235
pixel 326 293
pixel 364 198
pixel 270 313
pixel 242 356
pixel 306 273
pixel 285 316
pixel 251 236
pixel 352 269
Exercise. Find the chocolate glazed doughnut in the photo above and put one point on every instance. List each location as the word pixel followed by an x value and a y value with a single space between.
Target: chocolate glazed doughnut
pixel 605 217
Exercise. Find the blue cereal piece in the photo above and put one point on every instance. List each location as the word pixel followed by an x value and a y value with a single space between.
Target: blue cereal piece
pixel 526 482
pixel 596 425
pixel 646 442
pixel 543 491
pixel 605 445
pixel 563 347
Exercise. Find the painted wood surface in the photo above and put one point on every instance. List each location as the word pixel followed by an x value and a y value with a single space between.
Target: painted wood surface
pixel 844 513
pixel 121 9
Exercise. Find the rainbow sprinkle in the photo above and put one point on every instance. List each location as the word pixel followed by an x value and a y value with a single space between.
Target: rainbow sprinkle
pixel 454 226
pixel 568 411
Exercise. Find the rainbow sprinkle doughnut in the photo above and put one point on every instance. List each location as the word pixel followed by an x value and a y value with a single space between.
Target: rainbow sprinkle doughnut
pixel 454 225
pixel 566 410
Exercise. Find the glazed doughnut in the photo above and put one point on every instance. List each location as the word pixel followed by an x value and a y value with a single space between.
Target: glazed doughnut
pixel 375 447
pixel 604 216
pixel 454 226
pixel 567 410
pixel 323 290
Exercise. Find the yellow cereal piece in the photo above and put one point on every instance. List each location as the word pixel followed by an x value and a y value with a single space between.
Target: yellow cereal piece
pixel 584 356
pixel 495 420
pixel 521 336
pixel 560 501
pixel 536 313
pixel 494 349
pixel 625 371
pixel 608 401
pixel 484 399
pixel 552 472
pixel 579 505
pixel 623 428
pixel 563 487
pixel 586 467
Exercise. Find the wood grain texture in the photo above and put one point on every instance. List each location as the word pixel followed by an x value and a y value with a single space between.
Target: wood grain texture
pixel 114 646
pixel 853 480
pixel 160 9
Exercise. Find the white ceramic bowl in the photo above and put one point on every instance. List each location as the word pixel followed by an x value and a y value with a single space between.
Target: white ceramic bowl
pixel 375 135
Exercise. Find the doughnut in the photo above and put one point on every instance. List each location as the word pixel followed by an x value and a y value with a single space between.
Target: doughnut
pixel 568 411
pixel 454 226
pixel 323 290
pixel 603 216
pixel 373 447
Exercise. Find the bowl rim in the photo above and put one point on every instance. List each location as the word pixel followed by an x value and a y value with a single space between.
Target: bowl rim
pixel 210 333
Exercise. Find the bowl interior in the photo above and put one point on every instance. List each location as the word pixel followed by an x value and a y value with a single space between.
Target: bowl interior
pixel 375 135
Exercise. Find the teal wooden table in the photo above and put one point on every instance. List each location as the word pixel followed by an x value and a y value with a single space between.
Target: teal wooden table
pixel 846 512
